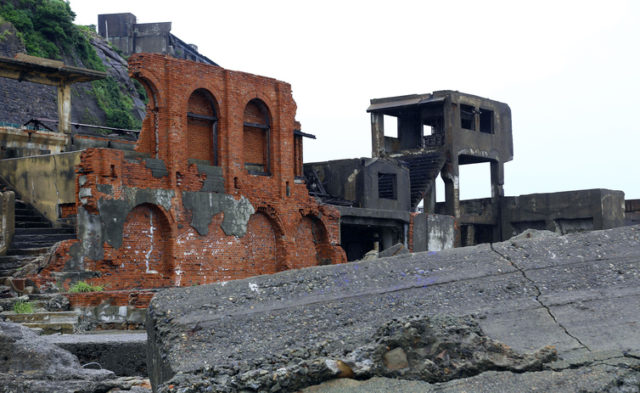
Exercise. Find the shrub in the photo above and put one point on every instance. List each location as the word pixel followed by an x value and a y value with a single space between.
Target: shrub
pixel 82 286
pixel 22 307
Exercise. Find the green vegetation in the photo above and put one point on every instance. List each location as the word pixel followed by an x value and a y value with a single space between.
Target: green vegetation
pixel 22 307
pixel 142 92
pixel 82 286
pixel 117 106
pixel 46 28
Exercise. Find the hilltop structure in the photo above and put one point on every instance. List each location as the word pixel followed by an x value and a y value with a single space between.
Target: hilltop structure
pixel 127 35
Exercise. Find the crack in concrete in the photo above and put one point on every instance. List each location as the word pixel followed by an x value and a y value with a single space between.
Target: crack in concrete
pixel 537 297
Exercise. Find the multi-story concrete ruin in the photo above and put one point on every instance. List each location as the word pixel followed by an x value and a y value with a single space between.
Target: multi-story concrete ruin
pixel 436 133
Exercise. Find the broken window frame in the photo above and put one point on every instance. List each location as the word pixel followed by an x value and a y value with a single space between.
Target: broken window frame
pixel 387 186
pixel 486 121
pixel 266 128
pixel 468 117
pixel 191 116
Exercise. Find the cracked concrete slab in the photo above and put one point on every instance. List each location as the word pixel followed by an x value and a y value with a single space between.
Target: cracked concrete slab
pixel 526 293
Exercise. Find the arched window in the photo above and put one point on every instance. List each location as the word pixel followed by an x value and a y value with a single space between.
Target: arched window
pixel 256 138
pixel 202 128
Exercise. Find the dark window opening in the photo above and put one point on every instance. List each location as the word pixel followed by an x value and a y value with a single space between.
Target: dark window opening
pixel 387 186
pixel 202 128
pixel 256 138
pixel 486 121
pixel 467 117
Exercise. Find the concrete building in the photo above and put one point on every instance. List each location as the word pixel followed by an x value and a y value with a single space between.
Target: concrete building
pixel 379 197
pixel 128 36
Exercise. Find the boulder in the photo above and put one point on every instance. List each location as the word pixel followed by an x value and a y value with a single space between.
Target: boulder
pixel 28 363
pixel 408 317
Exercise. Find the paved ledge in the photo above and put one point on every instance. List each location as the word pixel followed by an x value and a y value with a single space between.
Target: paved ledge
pixel 123 352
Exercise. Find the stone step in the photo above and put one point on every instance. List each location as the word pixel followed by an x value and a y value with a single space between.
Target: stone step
pixel 46 321
pixel 30 217
pixel 42 237
pixel 27 251
pixel 32 244
pixel 52 328
pixel 33 224
pixel 44 231
pixel 43 316
pixel 11 260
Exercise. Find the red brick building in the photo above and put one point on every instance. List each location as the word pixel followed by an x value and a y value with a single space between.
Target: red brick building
pixel 213 191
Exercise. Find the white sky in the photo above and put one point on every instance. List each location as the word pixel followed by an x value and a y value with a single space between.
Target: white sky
pixel 569 70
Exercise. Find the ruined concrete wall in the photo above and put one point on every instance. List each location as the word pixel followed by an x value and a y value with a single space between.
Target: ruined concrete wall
pixel 371 183
pixel 563 212
pixel 7 220
pixel 431 232
pixel 43 181
pixel 156 218
pixel 632 212
pixel 18 142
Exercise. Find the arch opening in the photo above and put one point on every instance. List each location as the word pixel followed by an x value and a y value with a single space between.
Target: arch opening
pixel 146 247
pixel 202 128
pixel 256 138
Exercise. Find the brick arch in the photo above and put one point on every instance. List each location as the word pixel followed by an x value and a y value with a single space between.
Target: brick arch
pixel 256 137
pixel 202 127
pixel 311 242
pixel 148 140
pixel 263 246
pixel 145 254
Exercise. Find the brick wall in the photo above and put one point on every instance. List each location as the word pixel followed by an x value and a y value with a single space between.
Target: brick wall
pixel 160 247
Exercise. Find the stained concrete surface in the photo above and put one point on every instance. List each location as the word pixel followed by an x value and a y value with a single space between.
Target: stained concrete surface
pixel 580 293
pixel 122 352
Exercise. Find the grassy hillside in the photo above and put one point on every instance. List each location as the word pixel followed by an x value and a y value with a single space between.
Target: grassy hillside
pixel 46 29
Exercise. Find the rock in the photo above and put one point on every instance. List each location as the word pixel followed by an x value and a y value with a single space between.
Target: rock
pixel 395 359
pixel 373 254
pixel 58 303
pixel 5 291
pixel 396 249
pixel 299 328
pixel 591 379
pixel 28 363
pixel 534 234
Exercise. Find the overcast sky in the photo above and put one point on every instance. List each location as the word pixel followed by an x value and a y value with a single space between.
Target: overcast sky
pixel 569 70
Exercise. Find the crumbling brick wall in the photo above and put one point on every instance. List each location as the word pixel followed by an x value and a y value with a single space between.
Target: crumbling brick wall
pixel 167 215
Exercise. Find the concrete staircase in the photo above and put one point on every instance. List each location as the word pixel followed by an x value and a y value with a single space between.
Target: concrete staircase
pixel 42 320
pixel 34 235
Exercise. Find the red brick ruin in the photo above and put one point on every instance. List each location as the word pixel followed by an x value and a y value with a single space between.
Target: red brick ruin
pixel 213 191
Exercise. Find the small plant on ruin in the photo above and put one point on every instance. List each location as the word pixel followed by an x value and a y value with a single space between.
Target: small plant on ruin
pixel 82 286
pixel 22 307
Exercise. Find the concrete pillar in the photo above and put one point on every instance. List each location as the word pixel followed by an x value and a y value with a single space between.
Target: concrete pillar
pixel 451 176
pixel 497 192
pixel 429 202
pixel 377 135
pixel 497 179
pixel 64 107
pixel 470 238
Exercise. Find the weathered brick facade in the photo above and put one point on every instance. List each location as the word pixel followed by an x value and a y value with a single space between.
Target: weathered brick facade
pixel 209 195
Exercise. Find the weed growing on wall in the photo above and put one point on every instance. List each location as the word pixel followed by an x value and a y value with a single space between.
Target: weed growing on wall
pixel 22 307
pixel 82 286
